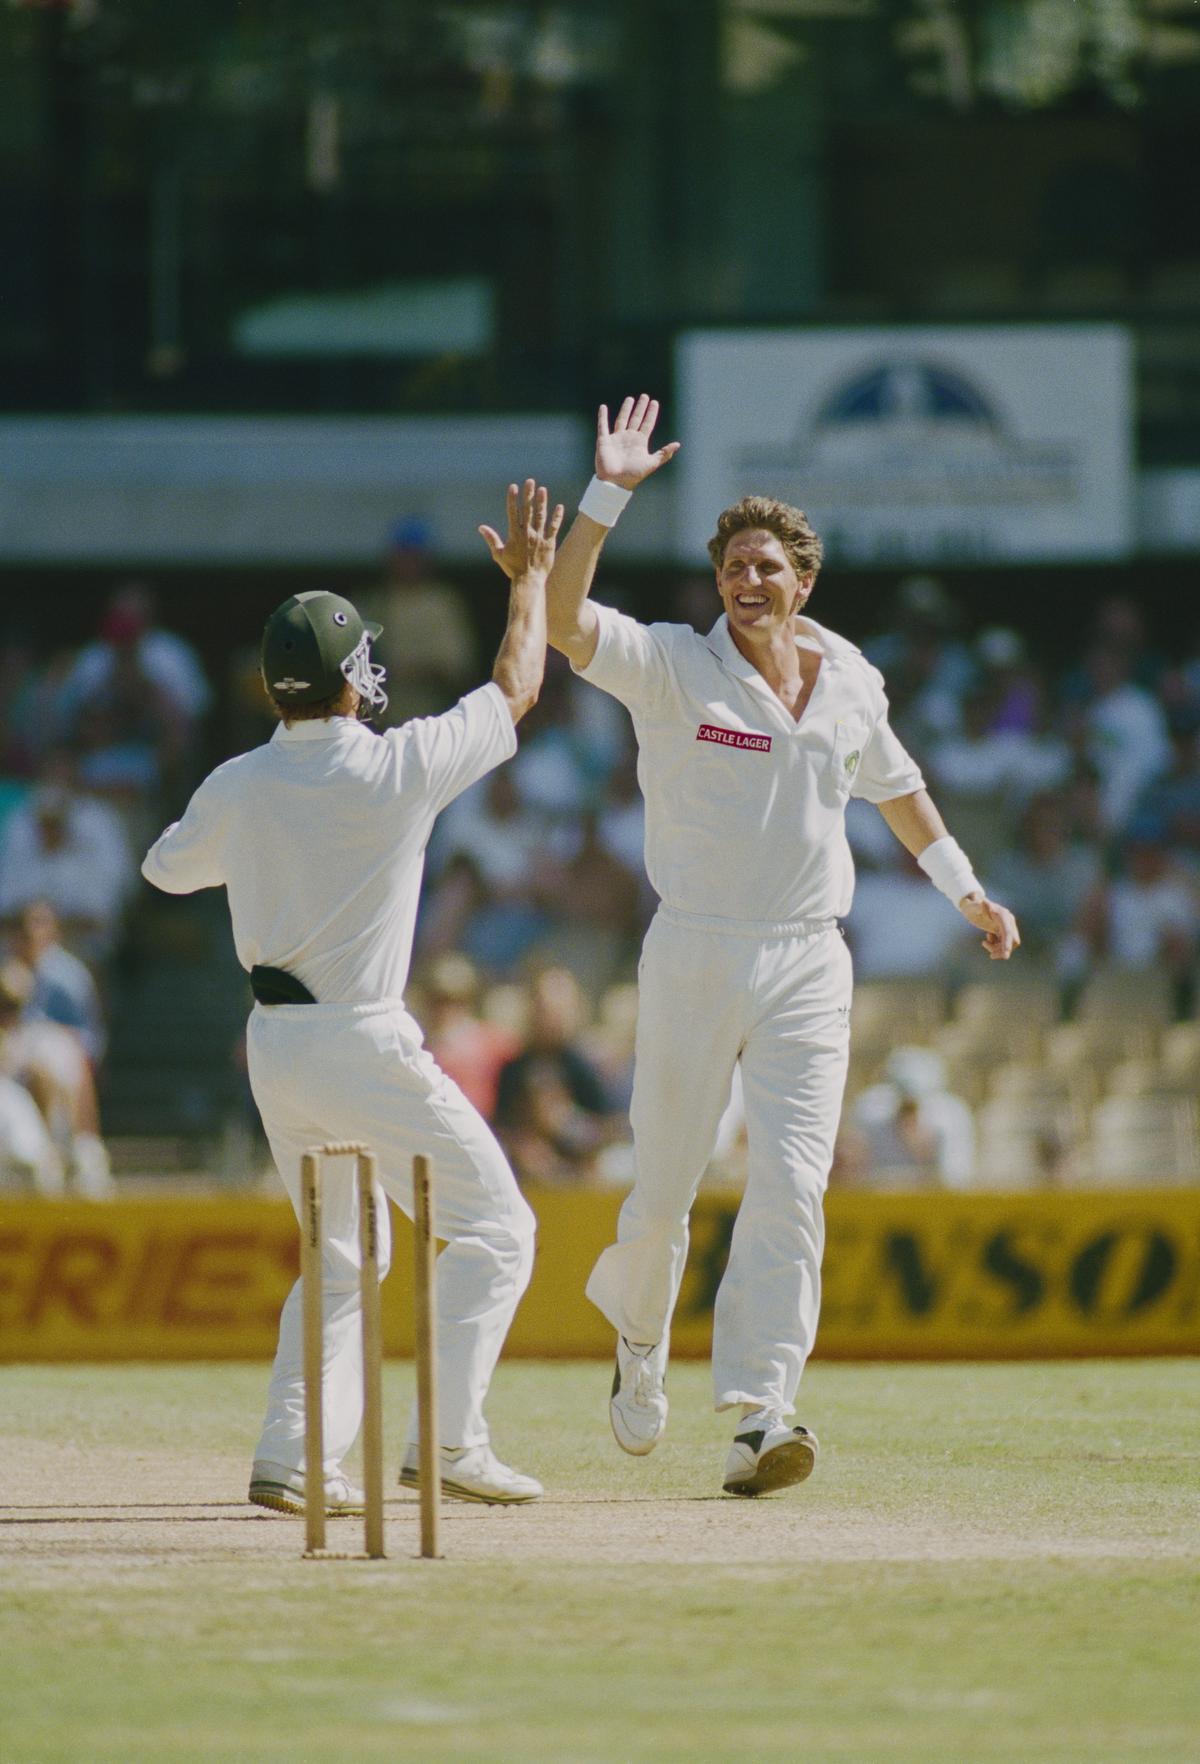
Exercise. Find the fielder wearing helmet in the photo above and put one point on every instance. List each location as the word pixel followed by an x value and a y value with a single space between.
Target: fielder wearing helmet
pixel 313 646
pixel 318 837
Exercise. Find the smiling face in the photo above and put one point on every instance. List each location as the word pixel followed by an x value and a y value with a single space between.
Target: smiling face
pixel 759 586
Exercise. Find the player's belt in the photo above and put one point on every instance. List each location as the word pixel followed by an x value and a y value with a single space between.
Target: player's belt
pixel 274 986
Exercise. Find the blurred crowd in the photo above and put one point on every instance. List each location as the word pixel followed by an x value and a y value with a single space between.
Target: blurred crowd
pixel 1075 789
pixel 94 741
pixel 1076 793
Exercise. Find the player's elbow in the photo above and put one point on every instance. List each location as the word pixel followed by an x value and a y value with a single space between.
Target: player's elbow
pixel 563 635
pixel 576 641
pixel 520 705
pixel 161 878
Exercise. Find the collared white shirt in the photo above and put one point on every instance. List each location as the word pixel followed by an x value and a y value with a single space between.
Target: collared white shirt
pixel 745 806
pixel 319 837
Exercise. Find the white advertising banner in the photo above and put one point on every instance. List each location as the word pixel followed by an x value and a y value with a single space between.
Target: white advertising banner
pixel 914 446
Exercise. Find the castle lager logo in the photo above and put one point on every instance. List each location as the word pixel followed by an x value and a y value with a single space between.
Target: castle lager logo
pixel 733 738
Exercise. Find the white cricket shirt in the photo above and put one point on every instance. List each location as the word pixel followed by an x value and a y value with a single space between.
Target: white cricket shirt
pixel 319 837
pixel 745 806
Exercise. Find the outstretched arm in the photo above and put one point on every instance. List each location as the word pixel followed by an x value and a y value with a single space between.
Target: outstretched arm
pixel 920 828
pixel 623 458
pixel 525 557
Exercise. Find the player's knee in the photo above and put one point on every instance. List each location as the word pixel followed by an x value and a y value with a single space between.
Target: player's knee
pixel 513 1237
pixel 523 1227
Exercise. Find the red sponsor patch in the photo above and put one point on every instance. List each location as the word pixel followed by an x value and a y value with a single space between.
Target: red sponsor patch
pixel 733 738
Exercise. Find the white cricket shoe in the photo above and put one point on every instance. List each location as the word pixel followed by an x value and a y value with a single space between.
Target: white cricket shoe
pixel 769 1456
pixel 281 1489
pixel 638 1405
pixel 474 1473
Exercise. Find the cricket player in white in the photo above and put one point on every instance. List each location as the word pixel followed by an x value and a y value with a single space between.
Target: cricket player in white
pixel 319 837
pixel 751 741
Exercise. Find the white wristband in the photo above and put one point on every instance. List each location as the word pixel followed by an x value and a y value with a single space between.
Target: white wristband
pixel 602 502
pixel 949 869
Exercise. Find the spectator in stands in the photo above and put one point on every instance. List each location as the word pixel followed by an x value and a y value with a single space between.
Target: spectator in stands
pixel 1000 763
pixel 609 1043
pixel 601 734
pixel 593 899
pixel 1119 626
pixel 27 1155
pixel 135 651
pixel 917 1134
pixel 64 991
pixel 490 872
pixel 1124 733
pixel 554 773
pixel 928 667
pixel 1083 806
pixel 602 890
pixel 72 851
pixel 1179 688
pixel 448 908
pixel 1173 800
pixel 985 774
pixel 1015 686
pixel 50 1063
pixel 128 742
pixel 899 927
pixel 428 644
pixel 623 811
pixel 30 692
pixel 1147 915
pixel 553 1113
pixel 1047 875
pixel 468 1049
pixel 1179 695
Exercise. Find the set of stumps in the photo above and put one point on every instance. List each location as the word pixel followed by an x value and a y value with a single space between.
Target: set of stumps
pixel 372 1353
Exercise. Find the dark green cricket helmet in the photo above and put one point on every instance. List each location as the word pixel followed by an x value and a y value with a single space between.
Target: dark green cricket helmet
pixel 313 644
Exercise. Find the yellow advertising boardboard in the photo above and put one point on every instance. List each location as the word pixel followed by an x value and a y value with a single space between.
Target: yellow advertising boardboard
pixel 906 1277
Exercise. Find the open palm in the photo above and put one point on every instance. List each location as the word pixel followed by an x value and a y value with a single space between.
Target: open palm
pixel 532 532
pixel 623 453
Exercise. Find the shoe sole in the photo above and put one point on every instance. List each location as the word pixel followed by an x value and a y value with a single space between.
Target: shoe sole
pixel 782 1467
pixel 461 1493
pixel 282 1500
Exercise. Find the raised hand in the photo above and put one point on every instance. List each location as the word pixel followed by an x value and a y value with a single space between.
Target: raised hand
pixel 532 532
pixel 623 454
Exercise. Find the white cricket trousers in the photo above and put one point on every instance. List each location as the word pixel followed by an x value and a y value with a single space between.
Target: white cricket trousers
pixel 323 1073
pixel 714 992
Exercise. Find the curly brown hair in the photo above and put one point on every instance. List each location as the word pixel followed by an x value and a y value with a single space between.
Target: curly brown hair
pixel 790 526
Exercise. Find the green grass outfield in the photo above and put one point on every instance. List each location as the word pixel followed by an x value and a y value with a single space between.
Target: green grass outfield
pixel 990 1563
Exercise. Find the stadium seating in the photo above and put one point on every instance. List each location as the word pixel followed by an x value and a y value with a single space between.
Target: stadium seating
pixel 1144 996
pixel 1023 1140
pixel 1109 1096
pixel 1141 1139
